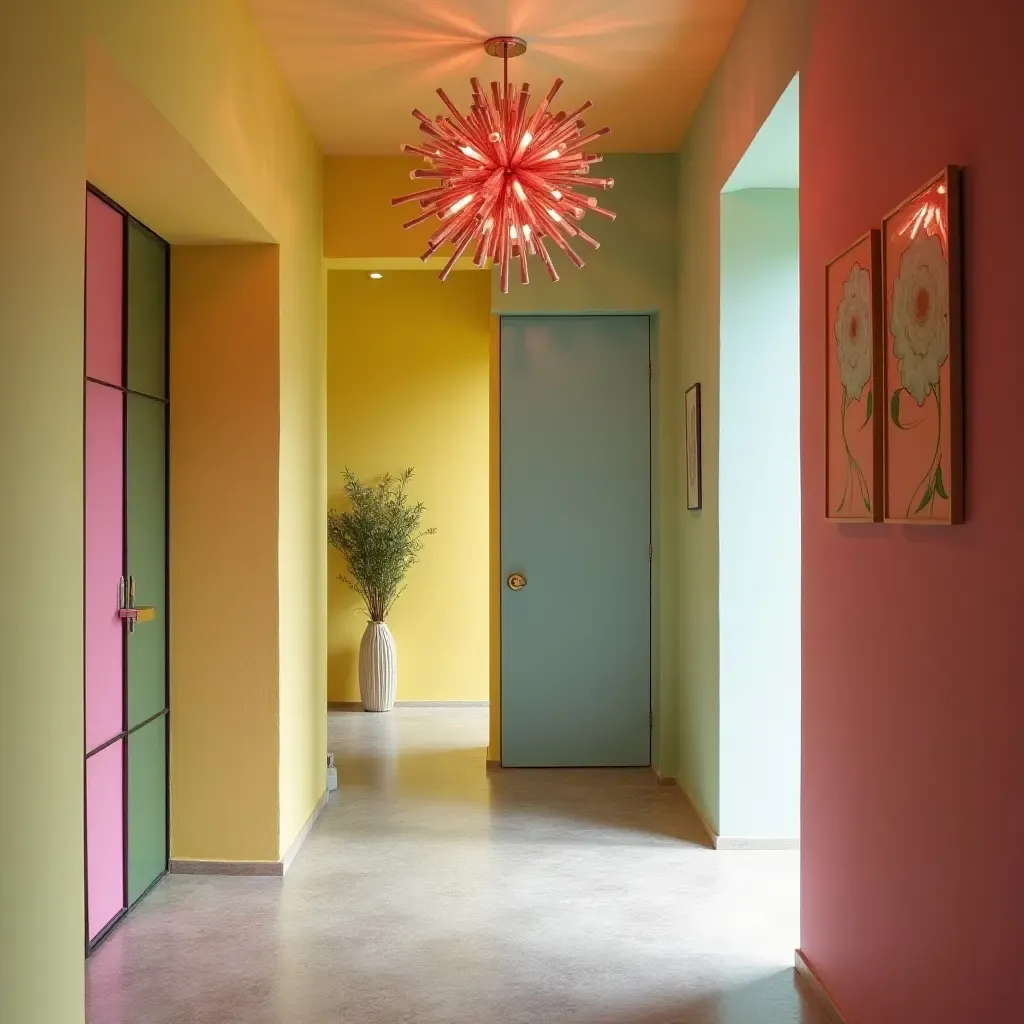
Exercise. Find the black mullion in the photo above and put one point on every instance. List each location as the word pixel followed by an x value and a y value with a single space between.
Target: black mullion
pixel 125 285
pixel 85 767
pixel 125 390
pixel 106 743
pixel 142 725
pixel 167 556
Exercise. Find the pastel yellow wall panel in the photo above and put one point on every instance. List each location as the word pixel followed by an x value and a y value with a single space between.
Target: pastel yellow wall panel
pixel 42 210
pixel 223 553
pixel 408 385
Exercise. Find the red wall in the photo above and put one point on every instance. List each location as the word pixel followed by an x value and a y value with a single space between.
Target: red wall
pixel 913 649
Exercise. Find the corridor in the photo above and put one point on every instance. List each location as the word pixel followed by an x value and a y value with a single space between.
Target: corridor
pixel 430 892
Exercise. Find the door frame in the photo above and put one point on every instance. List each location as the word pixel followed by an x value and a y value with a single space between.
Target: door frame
pixel 494 746
pixel 125 733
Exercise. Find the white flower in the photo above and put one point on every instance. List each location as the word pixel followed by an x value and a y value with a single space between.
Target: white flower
pixel 853 332
pixel 920 315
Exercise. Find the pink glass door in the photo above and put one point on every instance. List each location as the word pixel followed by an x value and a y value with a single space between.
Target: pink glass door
pixel 104 836
pixel 104 565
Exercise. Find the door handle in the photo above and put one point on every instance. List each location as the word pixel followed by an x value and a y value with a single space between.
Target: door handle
pixel 516 581
pixel 126 608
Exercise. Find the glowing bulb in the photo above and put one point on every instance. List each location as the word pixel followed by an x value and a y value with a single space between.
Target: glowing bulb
pixel 375 276
pixel 472 153
pixel 525 141
pixel 555 215
pixel 527 231
pixel 517 187
pixel 556 193
pixel 461 204
pixel 553 155
pixel 941 190
pixel 512 231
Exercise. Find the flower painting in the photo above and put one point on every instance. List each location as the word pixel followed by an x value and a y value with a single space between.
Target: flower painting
pixel 923 409
pixel 853 330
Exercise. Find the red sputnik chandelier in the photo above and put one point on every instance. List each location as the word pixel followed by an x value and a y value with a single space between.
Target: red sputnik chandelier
pixel 504 178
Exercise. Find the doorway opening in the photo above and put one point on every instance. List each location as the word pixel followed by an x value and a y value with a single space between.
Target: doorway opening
pixel 759 489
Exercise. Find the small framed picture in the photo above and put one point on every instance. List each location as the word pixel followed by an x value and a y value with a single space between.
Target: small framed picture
pixel 922 368
pixel 693 468
pixel 853 370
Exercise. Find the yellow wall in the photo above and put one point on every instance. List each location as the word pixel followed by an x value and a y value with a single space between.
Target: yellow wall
pixel 408 385
pixel 202 68
pixel 224 579
pixel 41 243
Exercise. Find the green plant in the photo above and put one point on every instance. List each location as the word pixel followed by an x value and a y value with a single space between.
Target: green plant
pixel 380 536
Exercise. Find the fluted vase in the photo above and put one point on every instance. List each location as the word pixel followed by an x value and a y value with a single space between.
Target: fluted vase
pixel 378 668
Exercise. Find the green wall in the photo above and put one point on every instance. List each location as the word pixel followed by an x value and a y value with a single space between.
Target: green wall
pixel 634 271
pixel 764 55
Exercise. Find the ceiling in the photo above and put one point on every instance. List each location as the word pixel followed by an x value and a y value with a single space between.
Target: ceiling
pixel 358 67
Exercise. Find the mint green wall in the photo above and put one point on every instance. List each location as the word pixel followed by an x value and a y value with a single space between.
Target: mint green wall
pixel 634 271
pixel 759 514
pixel 764 55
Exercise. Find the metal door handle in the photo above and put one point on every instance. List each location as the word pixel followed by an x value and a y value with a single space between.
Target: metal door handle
pixel 126 608
pixel 516 581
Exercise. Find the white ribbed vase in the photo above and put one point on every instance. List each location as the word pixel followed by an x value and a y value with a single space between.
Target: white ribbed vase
pixel 378 668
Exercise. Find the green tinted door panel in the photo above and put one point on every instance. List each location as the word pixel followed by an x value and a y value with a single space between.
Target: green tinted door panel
pixel 147 806
pixel 147 555
pixel 147 312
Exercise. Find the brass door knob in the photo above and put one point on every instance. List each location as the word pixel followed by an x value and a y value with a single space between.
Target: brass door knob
pixel 516 581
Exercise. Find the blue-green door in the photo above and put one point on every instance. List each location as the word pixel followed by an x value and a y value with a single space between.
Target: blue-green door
pixel 576 525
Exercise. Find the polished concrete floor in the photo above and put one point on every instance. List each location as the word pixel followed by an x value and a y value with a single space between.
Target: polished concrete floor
pixel 432 893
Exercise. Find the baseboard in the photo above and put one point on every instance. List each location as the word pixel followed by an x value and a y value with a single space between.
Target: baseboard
pixel 349 705
pixel 493 766
pixel 293 850
pixel 734 843
pixel 755 843
pixel 806 974
pixel 251 868
pixel 709 833
pixel 247 868
pixel 664 780
pixel 442 703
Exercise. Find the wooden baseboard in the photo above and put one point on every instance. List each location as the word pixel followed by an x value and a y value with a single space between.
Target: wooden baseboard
pixel 252 868
pixel 493 766
pixel 709 833
pixel 351 705
pixel 293 850
pixel 755 843
pixel 664 780
pixel 248 868
pixel 727 843
pixel 812 982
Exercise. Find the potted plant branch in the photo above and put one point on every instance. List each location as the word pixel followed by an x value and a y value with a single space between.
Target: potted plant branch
pixel 381 536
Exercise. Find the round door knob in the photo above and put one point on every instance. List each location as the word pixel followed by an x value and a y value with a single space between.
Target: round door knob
pixel 516 581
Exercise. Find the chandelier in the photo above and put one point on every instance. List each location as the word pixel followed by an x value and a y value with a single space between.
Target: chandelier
pixel 505 178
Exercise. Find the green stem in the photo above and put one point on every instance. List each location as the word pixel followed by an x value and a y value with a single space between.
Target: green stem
pixel 929 477
pixel 851 462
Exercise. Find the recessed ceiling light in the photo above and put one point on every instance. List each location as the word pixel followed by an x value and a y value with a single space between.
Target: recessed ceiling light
pixel 376 276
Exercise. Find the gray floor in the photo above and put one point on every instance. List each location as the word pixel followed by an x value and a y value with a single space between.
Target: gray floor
pixel 430 892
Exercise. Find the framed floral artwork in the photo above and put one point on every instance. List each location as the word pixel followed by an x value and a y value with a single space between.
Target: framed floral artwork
pixel 853 356
pixel 923 437
pixel 693 468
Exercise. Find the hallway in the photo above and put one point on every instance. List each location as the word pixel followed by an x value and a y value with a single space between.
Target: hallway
pixel 431 893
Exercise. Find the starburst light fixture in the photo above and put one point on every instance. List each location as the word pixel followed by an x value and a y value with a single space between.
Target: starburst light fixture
pixel 504 177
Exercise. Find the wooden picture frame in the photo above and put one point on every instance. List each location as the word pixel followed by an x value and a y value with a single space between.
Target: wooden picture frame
pixel 922 367
pixel 694 483
pixel 853 358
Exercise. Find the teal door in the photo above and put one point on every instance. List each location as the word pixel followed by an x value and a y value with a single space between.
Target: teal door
pixel 576 531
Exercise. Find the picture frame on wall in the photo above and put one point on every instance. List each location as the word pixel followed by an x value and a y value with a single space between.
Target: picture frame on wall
pixel 693 448
pixel 853 358
pixel 922 364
